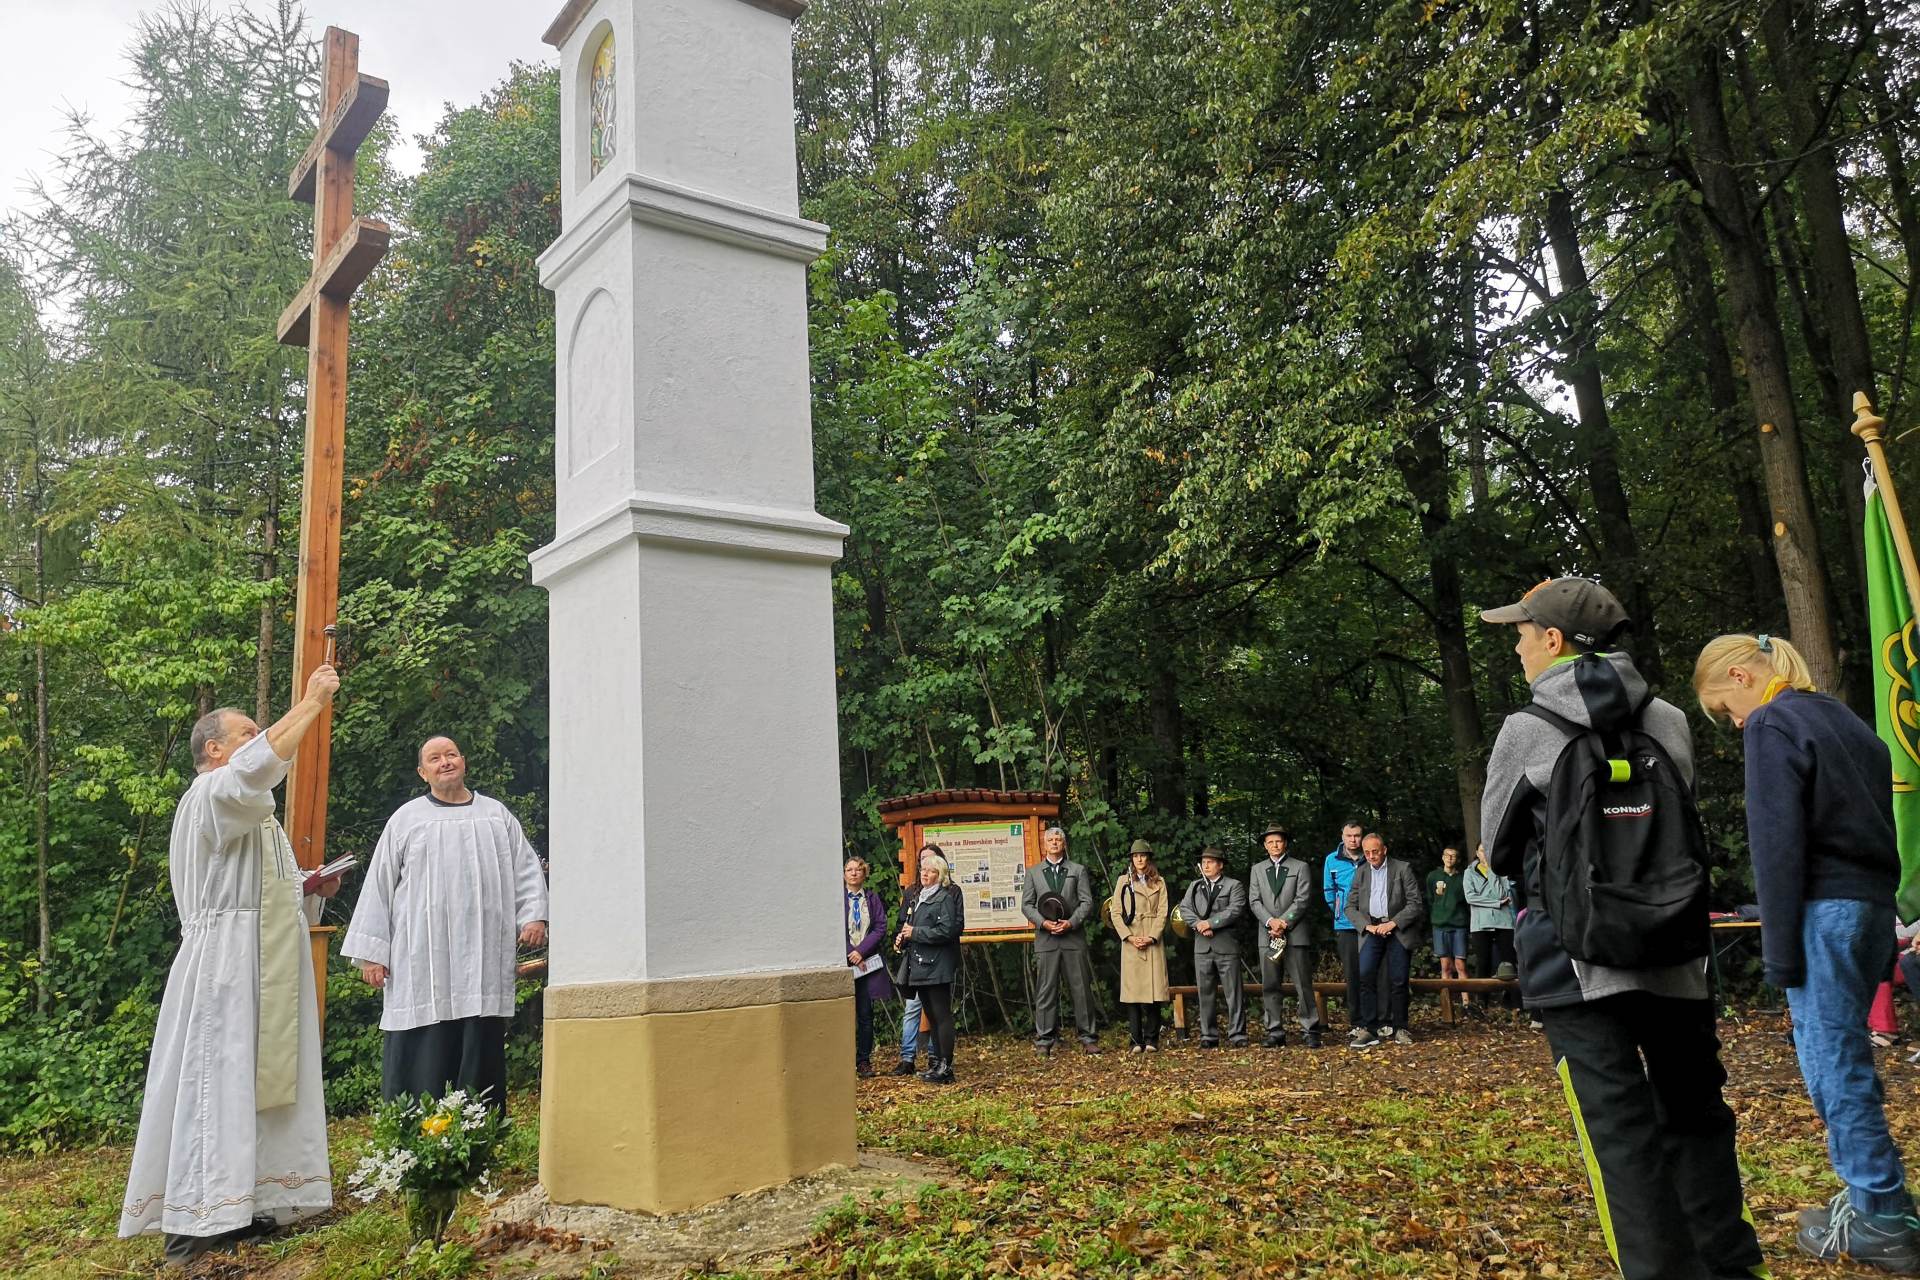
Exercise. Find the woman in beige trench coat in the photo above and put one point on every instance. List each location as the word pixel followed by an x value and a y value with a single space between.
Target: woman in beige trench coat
pixel 1138 910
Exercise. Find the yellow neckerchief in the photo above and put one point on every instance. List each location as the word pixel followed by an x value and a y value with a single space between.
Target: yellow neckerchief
pixel 1775 687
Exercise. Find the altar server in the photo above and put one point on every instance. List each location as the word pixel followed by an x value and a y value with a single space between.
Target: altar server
pixel 452 886
pixel 233 1125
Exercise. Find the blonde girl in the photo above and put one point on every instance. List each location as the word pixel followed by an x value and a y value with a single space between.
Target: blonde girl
pixel 1825 869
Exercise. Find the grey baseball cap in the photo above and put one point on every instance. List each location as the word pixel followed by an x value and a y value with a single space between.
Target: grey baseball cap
pixel 1580 608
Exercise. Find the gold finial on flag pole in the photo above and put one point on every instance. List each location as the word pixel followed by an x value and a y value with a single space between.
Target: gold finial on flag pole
pixel 1871 428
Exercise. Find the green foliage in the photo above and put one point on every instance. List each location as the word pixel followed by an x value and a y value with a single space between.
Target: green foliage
pixel 1188 372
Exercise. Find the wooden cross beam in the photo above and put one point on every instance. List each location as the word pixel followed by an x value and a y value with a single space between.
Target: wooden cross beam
pixel 345 250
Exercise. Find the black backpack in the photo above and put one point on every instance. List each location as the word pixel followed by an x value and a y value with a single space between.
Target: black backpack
pixel 1623 859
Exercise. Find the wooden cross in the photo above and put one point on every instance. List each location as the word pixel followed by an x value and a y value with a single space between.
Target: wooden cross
pixel 345 251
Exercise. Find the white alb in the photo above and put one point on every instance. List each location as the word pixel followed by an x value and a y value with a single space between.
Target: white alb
pixel 446 895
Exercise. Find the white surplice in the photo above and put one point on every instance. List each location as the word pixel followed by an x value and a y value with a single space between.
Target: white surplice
pixel 447 893
pixel 207 1159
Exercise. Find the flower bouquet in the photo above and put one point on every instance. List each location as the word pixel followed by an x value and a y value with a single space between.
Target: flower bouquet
pixel 430 1151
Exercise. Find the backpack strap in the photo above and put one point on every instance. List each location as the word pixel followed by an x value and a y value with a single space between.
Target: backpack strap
pixel 1611 745
pixel 1555 719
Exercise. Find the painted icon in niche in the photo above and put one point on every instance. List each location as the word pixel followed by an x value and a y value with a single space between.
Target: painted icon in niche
pixel 602 137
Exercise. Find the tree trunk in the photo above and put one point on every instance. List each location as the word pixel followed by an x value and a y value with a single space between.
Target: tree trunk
pixel 1822 299
pixel 1599 445
pixel 1166 771
pixel 1752 307
pixel 263 647
pixel 1693 274
pixel 43 781
pixel 1477 485
pixel 1423 465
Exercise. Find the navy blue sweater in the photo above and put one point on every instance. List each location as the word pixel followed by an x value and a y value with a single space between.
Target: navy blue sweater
pixel 1819 818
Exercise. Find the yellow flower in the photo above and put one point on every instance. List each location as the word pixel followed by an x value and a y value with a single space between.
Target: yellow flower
pixel 434 1126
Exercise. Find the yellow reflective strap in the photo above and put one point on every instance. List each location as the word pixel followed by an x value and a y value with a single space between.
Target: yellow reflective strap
pixel 1593 1165
pixel 1621 770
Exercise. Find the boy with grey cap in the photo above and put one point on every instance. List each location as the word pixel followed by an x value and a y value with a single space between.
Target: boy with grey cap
pixel 1057 901
pixel 1635 1049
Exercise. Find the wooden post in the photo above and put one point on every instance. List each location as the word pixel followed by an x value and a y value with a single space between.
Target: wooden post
pixel 1869 426
pixel 345 251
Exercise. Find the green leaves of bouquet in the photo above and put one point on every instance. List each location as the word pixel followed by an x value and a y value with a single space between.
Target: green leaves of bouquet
pixel 431 1151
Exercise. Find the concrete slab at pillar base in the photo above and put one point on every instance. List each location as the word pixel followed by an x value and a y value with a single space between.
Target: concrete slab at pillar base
pixel 668 1108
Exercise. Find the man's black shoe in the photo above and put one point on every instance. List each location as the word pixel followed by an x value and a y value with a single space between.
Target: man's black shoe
pixel 906 1068
pixel 1274 1042
pixel 1209 1044
pixel 1237 1042
pixel 1313 1040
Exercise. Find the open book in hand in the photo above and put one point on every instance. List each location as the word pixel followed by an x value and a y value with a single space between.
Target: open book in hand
pixel 339 866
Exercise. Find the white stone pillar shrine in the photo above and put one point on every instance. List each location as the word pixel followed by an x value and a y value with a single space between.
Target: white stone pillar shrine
pixel 699 1021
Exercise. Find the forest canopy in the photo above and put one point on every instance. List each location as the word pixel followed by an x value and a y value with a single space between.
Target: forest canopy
pixel 1188 372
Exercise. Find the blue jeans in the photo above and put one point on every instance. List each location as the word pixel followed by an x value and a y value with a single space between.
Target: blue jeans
pixel 910 1030
pixel 1383 950
pixel 1849 949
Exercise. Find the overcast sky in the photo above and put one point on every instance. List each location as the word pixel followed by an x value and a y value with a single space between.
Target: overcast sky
pixel 59 54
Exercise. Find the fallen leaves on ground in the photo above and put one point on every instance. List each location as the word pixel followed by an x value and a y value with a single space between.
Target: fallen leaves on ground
pixel 1452 1158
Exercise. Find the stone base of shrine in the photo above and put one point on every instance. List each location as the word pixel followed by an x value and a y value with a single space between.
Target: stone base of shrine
pixel 661 1096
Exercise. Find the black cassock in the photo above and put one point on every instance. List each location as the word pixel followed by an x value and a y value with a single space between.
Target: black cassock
pixel 434 1060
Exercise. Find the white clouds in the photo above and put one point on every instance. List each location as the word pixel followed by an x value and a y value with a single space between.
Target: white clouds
pixel 60 54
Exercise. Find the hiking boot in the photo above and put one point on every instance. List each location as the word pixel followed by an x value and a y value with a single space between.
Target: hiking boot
pixel 906 1068
pixel 1314 1041
pixel 863 1069
pixel 939 1071
pixel 1403 1036
pixel 1889 1241
pixel 1367 1040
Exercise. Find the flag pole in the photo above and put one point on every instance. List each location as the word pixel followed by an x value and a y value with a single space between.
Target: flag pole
pixel 1869 426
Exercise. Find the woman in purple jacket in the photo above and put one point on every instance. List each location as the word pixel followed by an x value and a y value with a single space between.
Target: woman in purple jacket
pixel 866 918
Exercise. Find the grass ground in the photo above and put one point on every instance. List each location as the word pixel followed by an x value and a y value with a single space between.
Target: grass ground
pixel 1450 1158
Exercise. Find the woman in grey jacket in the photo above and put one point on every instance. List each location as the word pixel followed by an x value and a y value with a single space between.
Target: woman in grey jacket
pixel 1490 921
pixel 931 960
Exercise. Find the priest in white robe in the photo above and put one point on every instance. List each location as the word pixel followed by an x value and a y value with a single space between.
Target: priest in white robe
pixel 453 887
pixel 233 1126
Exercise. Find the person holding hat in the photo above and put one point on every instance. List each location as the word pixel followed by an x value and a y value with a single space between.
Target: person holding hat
pixel 1138 910
pixel 1635 1048
pixel 1057 899
pixel 1213 907
pixel 1279 890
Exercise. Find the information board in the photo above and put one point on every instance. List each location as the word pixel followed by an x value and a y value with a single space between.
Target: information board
pixel 989 862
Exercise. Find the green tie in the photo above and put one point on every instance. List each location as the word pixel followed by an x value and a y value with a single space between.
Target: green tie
pixel 1053 877
pixel 1273 877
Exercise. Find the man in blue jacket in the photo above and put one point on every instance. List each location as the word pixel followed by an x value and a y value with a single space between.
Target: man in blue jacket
pixel 1336 877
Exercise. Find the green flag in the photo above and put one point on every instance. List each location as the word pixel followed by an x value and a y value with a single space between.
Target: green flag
pixel 1896 673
